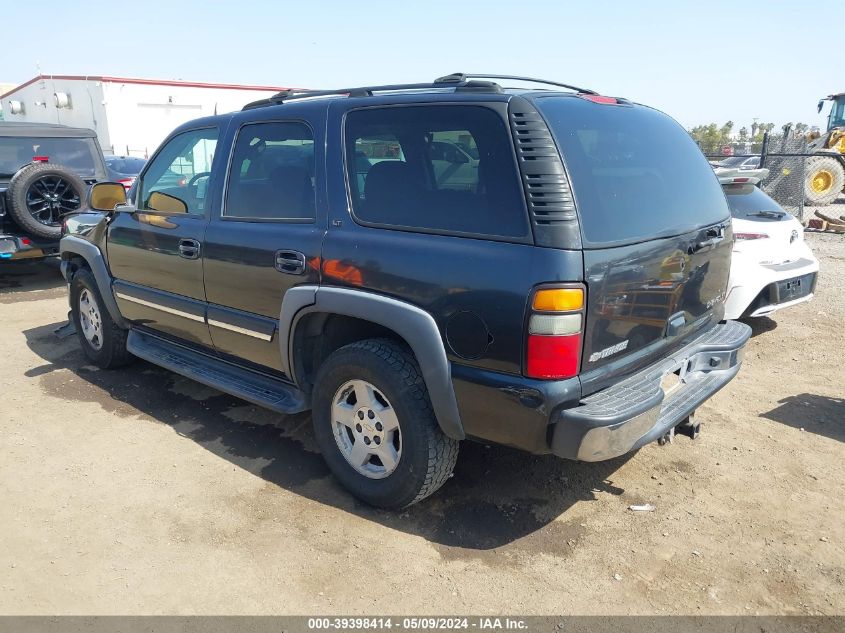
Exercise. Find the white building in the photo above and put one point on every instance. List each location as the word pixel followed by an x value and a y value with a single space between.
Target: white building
pixel 130 116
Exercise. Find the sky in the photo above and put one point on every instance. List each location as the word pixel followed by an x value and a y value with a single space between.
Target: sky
pixel 701 62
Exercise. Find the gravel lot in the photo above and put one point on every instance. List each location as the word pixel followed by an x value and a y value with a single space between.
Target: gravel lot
pixel 137 491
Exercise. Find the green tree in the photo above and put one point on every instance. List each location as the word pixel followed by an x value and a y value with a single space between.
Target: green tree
pixel 712 137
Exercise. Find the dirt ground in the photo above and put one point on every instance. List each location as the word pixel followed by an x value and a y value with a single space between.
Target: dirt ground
pixel 140 492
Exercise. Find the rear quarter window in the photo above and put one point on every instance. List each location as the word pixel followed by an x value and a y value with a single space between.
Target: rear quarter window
pixel 636 174
pixel 440 169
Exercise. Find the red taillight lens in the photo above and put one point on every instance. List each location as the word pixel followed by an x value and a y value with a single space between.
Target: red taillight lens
pixel 751 236
pixel 553 356
pixel 555 332
pixel 126 182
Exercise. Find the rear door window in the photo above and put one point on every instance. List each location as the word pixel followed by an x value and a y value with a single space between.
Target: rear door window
pixel 636 174
pixel 443 169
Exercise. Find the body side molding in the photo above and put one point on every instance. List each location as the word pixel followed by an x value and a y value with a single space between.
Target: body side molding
pixel 413 324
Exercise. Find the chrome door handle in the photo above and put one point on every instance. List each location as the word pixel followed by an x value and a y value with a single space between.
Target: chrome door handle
pixel 290 262
pixel 189 248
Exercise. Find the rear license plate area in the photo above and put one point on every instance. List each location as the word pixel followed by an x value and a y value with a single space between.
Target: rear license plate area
pixel 794 288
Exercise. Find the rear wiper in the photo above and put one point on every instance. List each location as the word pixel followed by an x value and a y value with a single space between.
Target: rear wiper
pixel 777 215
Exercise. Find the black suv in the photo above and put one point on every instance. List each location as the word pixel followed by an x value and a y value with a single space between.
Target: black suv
pixel 45 170
pixel 421 264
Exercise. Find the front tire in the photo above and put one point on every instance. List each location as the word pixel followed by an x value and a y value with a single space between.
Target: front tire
pixel 101 339
pixel 375 426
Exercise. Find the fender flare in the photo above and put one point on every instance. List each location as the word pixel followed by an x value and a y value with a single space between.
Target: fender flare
pixel 70 245
pixel 414 325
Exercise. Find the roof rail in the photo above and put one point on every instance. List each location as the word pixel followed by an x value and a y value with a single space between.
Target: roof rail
pixel 459 81
pixel 464 77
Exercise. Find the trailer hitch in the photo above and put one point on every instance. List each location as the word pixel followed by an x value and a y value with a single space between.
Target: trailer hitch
pixel 689 427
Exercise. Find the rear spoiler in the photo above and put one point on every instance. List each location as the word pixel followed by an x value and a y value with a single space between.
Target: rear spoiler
pixel 728 175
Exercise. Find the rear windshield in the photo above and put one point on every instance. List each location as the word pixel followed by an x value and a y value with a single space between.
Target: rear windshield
pixel 747 200
pixel 77 154
pixel 635 172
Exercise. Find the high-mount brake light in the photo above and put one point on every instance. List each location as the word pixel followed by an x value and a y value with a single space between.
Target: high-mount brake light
pixel 555 333
pixel 599 99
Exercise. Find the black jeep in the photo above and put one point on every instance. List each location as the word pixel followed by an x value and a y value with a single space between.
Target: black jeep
pixel 45 170
pixel 421 264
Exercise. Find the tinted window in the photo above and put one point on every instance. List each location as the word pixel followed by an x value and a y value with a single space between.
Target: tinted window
pixel 744 199
pixel 446 169
pixel 272 173
pixel 179 174
pixel 77 154
pixel 635 172
pixel 126 166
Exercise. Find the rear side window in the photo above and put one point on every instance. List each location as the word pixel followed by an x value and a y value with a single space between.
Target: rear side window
pixel 635 172
pixel 272 173
pixel 444 169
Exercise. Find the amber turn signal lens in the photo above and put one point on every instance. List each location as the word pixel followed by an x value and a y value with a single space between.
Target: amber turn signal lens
pixel 558 299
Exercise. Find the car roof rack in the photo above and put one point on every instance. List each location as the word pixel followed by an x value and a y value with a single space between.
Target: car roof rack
pixel 461 82
pixel 464 77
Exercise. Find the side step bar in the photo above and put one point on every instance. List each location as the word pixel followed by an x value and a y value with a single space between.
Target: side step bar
pixel 249 385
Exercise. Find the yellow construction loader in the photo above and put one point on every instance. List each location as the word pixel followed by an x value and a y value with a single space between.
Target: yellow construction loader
pixel 825 172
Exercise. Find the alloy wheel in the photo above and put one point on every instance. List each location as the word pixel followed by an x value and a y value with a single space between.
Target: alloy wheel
pixel 50 197
pixel 366 429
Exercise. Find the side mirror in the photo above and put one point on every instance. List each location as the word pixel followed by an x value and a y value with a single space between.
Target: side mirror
pixel 165 203
pixel 105 196
pixel 820 106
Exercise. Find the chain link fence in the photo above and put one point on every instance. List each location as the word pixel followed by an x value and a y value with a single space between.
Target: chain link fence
pixel 784 155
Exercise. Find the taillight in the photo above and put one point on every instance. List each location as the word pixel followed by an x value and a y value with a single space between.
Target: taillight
pixel 751 236
pixel 126 182
pixel 555 333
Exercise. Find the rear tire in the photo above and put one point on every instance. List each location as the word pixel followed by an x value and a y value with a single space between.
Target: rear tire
pixel 102 340
pixel 824 180
pixel 375 426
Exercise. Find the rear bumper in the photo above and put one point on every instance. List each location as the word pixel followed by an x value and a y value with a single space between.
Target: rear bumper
pixel 637 411
pixel 757 289
pixel 13 247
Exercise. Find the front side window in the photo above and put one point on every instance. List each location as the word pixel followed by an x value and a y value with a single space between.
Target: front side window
pixel 177 178
pixel 445 169
pixel 272 173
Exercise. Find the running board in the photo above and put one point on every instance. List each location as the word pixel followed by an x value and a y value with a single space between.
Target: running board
pixel 249 385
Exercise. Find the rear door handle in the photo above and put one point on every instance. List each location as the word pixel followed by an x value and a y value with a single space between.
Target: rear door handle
pixel 290 262
pixel 713 236
pixel 189 248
